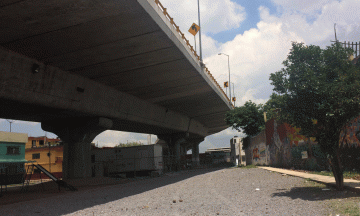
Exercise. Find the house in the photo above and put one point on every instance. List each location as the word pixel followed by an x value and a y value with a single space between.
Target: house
pixel 237 155
pixel 12 157
pixel 42 141
pixel 47 152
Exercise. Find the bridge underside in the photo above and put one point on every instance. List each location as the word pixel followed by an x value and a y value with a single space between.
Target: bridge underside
pixel 118 65
pixel 119 44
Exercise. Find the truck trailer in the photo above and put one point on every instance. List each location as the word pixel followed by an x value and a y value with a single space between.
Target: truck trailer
pixel 114 161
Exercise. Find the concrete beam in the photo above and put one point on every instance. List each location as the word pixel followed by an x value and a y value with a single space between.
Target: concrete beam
pixel 28 81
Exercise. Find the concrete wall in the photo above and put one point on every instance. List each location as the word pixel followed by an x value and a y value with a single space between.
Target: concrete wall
pixel 281 138
pixel 237 154
pixel 273 145
pixel 258 151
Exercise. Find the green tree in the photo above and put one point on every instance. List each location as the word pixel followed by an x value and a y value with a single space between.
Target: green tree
pixel 248 118
pixel 272 106
pixel 320 90
pixel 120 145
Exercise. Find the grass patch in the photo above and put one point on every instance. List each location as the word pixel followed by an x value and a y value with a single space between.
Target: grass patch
pixel 339 203
pixel 347 174
pixel 314 186
pixel 248 166
pixel 348 206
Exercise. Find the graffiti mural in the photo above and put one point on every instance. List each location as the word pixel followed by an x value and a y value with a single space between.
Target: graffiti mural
pixel 273 145
pixel 263 151
pixel 256 155
pixel 350 130
pixel 258 149
pixel 277 138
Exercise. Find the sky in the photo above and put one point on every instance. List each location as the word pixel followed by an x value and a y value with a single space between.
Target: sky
pixel 257 36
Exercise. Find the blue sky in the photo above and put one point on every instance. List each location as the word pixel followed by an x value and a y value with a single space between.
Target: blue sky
pixel 257 36
pixel 252 18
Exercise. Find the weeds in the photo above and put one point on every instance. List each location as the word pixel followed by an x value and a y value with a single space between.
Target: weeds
pixel 347 174
pixel 248 166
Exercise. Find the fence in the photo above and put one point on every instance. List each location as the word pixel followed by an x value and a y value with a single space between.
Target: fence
pixel 354 46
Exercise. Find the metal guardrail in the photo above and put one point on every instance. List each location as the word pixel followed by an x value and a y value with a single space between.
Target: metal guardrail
pixel 188 44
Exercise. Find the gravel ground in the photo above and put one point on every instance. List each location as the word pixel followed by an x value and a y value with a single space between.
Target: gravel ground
pixel 197 192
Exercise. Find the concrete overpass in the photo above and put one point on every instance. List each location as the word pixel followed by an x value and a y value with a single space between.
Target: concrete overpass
pixel 82 67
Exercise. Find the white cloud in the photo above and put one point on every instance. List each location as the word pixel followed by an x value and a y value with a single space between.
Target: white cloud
pixel 228 132
pixel 303 6
pixel 112 138
pixel 260 51
pixel 253 56
pixel 344 13
pixel 216 16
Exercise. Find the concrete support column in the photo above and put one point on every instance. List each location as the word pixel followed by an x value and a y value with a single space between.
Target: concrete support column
pixel 178 144
pixel 195 151
pixel 195 154
pixel 174 142
pixel 77 135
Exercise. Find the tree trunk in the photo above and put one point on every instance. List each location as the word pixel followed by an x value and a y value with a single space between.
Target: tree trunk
pixel 337 170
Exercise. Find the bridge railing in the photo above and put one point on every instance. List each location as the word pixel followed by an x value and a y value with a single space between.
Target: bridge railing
pixel 163 9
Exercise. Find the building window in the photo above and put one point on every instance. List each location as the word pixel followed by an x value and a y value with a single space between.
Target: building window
pixel 33 142
pixel 36 156
pixel 11 150
pixel 41 142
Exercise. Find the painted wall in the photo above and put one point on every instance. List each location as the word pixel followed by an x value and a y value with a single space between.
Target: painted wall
pixel 273 145
pixel 258 151
pixel 281 138
pixel 352 127
pixel 17 140
pixel 12 161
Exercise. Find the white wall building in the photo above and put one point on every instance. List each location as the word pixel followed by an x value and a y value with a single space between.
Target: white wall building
pixel 237 155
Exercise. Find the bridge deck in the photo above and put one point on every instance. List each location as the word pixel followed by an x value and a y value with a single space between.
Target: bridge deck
pixel 127 45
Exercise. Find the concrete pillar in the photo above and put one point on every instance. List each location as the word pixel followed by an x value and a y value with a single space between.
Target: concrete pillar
pixel 195 154
pixel 77 135
pixel 174 142
pixel 195 151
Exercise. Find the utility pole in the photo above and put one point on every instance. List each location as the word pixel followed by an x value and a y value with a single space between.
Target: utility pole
pixel 335 32
pixel 10 123
pixel 229 74
pixel 199 31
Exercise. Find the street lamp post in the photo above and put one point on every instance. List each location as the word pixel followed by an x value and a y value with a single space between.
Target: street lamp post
pixel 10 123
pixel 199 31
pixel 233 91
pixel 229 72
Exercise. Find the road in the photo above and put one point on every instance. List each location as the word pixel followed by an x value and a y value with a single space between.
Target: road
pixel 228 191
